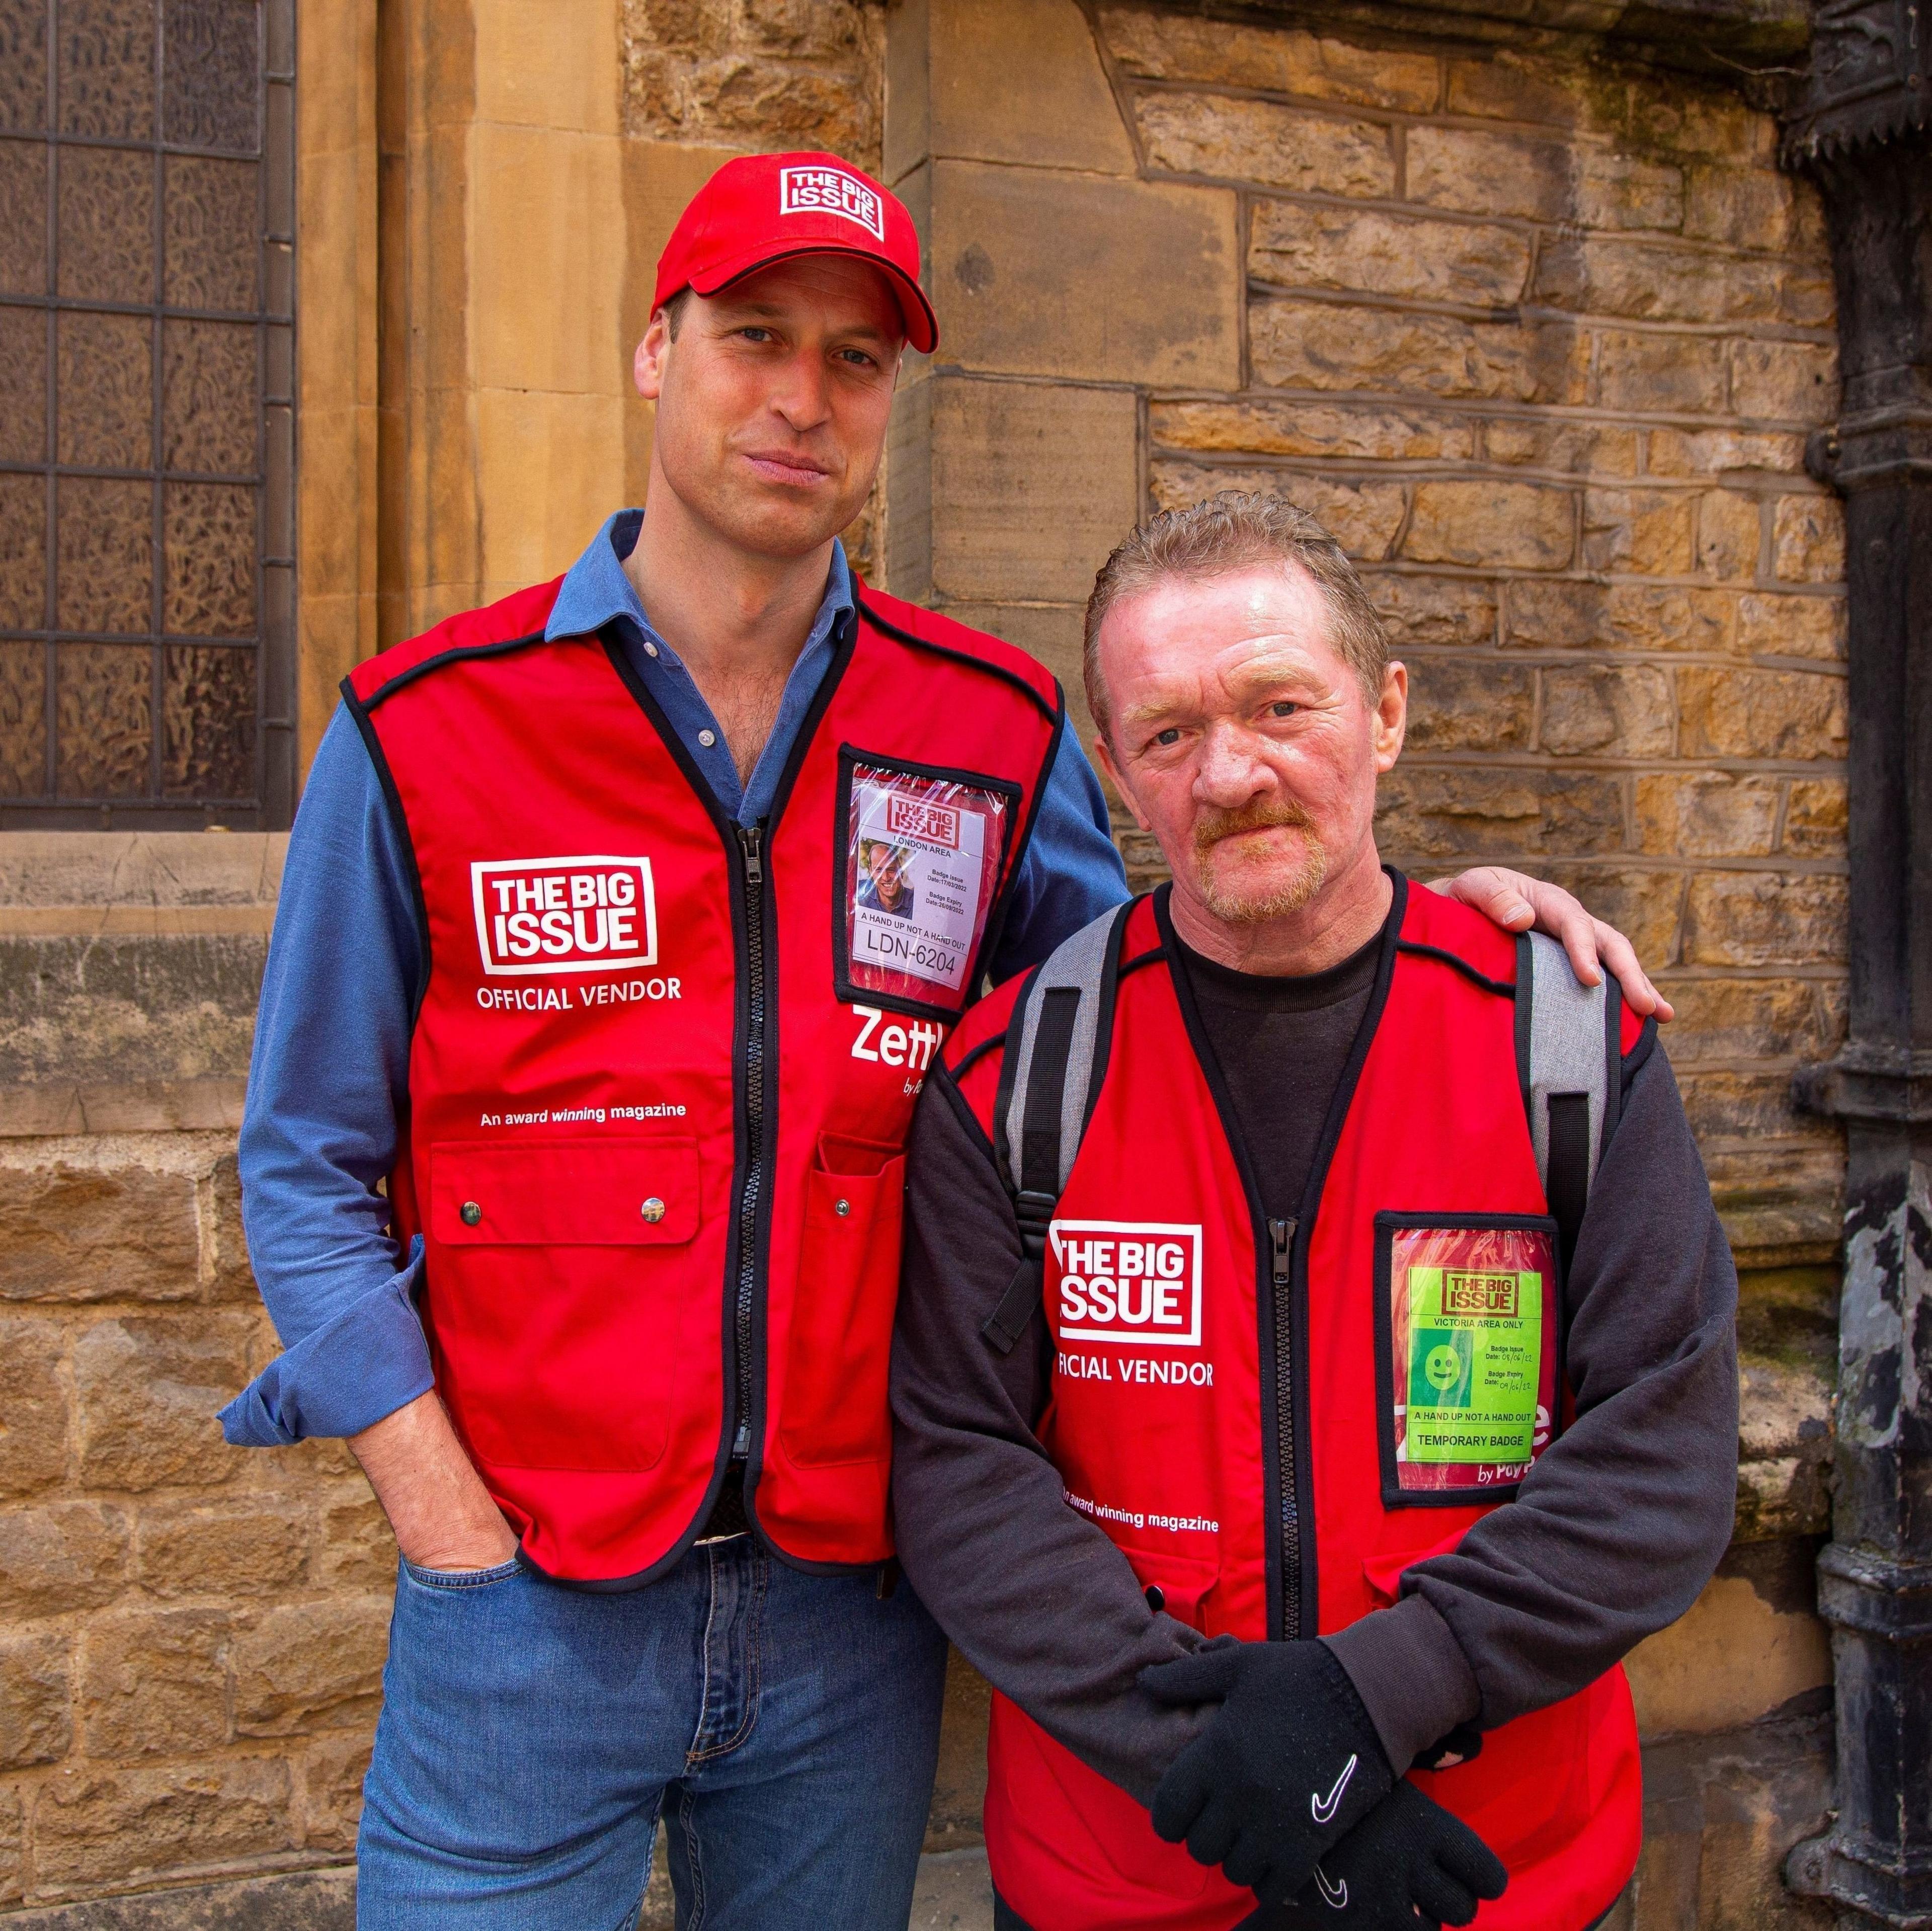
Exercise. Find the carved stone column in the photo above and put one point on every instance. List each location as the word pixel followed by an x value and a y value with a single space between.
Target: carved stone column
pixel 1860 131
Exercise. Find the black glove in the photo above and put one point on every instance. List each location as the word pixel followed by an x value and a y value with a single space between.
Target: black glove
pixel 1290 1764
pixel 1409 1866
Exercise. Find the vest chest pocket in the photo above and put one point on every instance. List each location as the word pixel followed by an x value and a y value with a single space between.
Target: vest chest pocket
pixel 840 1346
pixel 556 1283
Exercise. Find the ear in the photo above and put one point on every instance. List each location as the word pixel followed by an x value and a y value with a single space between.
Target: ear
pixel 647 367
pixel 1103 757
pixel 1391 716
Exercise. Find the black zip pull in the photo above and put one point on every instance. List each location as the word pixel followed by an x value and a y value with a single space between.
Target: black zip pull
pixel 1282 1234
pixel 752 837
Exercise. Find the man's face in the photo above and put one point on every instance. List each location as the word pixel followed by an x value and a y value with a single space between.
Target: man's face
pixel 884 863
pixel 772 400
pixel 1243 741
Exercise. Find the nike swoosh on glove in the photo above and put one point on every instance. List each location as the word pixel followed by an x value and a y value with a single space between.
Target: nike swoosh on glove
pixel 1409 1866
pixel 1289 1764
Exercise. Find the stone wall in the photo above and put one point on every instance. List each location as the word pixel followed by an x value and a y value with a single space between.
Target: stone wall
pixel 1539 335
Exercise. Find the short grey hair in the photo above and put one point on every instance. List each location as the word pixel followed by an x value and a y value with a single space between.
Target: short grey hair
pixel 1237 530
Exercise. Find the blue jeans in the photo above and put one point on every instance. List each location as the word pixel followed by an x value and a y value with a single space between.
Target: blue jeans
pixel 785 1726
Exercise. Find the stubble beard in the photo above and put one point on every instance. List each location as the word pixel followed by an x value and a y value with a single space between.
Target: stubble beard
pixel 1273 896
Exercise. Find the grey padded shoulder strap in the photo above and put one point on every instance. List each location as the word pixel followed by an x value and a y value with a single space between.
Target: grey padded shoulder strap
pixel 1568 1043
pixel 1077 966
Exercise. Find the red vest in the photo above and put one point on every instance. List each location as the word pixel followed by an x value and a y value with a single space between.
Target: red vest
pixel 663 1069
pixel 1411 1301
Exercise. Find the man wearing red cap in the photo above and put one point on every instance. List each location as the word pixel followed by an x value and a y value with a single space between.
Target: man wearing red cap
pixel 572 1162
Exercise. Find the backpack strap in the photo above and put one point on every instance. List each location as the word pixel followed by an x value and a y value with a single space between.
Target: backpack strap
pixel 1048 1085
pixel 1569 1053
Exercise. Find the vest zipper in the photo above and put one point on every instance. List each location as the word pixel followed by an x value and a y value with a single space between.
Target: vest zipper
pixel 750 842
pixel 1281 1237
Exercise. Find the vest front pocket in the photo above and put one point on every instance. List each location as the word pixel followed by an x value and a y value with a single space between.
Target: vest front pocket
pixel 557 1275
pixel 836 1363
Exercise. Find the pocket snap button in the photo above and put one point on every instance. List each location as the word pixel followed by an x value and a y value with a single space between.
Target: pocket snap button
pixel 471 1213
pixel 653 1209
pixel 841 1207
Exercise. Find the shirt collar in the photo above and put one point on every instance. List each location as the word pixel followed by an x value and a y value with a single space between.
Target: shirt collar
pixel 597 589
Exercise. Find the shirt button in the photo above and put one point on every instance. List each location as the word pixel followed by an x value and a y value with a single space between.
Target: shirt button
pixel 471 1213
pixel 841 1208
pixel 653 1209
pixel 650 649
pixel 707 738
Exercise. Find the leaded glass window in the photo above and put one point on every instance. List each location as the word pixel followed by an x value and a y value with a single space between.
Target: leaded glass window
pixel 146 412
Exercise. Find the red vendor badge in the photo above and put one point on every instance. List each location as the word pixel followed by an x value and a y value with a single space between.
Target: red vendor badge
pixel 920 857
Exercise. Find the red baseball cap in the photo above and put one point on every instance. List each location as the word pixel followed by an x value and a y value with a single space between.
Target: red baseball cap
pixel 760 208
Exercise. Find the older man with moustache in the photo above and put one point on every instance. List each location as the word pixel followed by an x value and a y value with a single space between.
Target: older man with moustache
pixel 572 1158
pixel 1371 1415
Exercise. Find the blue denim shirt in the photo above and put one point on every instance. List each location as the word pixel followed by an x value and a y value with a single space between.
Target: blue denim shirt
pixel 328 1082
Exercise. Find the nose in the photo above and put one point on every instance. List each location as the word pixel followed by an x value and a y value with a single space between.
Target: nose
pixel 801 395
pixel 1230 773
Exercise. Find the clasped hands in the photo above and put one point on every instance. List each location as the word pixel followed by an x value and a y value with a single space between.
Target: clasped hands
pixel 1289 1791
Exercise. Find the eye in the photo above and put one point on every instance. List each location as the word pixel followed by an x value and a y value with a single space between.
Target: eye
pixel 753 333
pixel 857 359
pixel 1283 707
pixel 1171 735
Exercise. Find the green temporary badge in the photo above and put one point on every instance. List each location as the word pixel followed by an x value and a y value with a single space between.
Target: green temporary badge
pixel 1475 1360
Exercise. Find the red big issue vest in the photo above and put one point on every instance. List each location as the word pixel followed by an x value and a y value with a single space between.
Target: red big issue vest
pixel 657 1099
pixel 1183 1476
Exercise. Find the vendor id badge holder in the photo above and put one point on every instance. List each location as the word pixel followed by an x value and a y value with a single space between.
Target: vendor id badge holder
pixel 920 855
pixel 1467 1312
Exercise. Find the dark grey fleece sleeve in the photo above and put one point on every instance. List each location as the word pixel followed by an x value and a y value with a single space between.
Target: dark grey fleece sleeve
pixel 1036 1597
pixel 1624 1516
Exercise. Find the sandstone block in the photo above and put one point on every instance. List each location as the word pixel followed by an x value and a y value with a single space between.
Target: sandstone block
pixel 1718 452
pixel 1477 172
pixel 1808 539
pixel 1582 448
pixel 1816 818
pixel 1657 281
pixel 36 1719
pixel 1039 485
pixel 1301 244
pixel 1762 713
pixel 1730 531
pixel 155 1682
pixel 331 1771
pixel 1791 626
pixel 230 1276
pixel 1363 517
pixel 1432 609
pixel 1742 207
pixel 1617 190
pixel 1262 141
pixel 1643 905
pixel 1644 531
pixel 1625 712
pixel 246 1548
pixel 1051 633
pixel 1423 813
pixel 147 1388
pixel 1721 1020
pixel 1786 381
pixel 1044 274
pixel 1647 373
pixel 1469 704
pixel 1372 430
pixel 1326 345
pixel 12 1847
pixel 1503 86
pixel 94 1827
pixel 1707 815
pixel 1689 120
pixel 1735 1106
pixel 1511 526
pixel 1765 919
pixel 33 1405
pixel 67 1555
pixel 1163 46
pixel 359 1549
pixel 1625 617
pixel 310 1666
pixel 1020 80
pixel 1807 300
pixel 77 1234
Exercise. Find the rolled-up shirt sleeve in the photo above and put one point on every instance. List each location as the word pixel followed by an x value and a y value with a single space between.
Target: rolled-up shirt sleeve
pixel 327 1083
